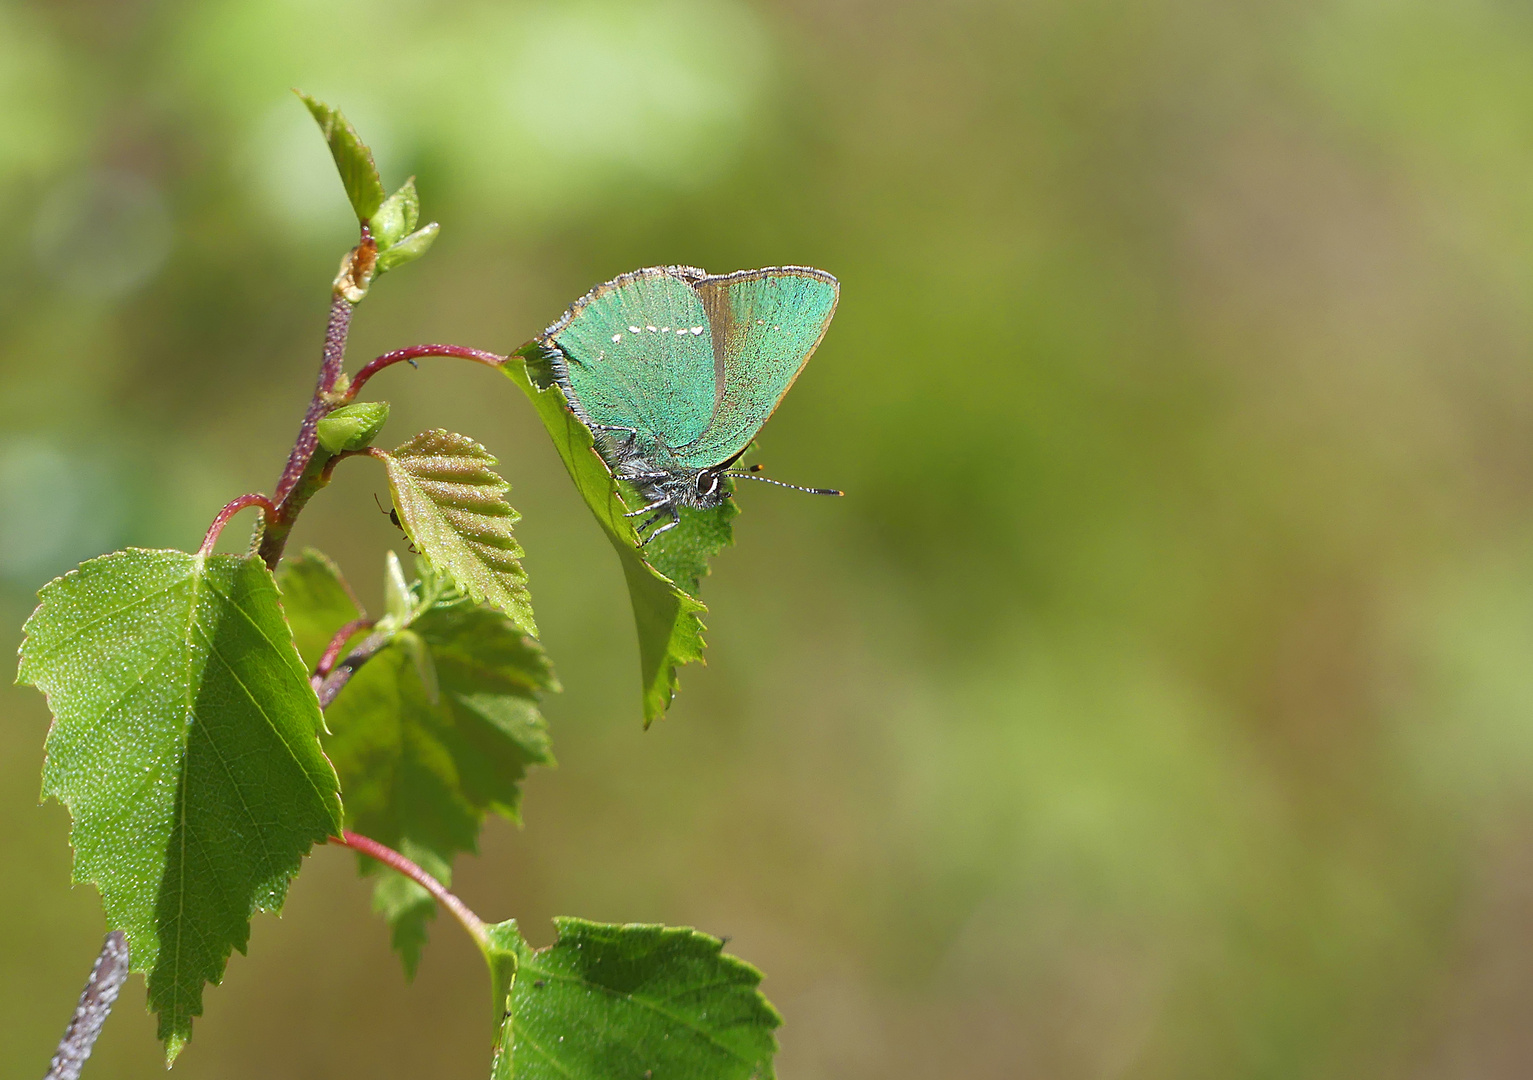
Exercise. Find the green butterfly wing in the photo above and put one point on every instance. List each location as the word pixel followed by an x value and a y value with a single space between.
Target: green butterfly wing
pixel 640 354
pixel 765 325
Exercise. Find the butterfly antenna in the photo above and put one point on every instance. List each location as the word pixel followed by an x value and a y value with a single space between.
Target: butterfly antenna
pixel 749 474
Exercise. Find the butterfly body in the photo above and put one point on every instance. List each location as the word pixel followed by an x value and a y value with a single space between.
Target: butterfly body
pixel 675 370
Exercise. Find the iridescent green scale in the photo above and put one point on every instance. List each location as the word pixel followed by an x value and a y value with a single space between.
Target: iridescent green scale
pixel 676 370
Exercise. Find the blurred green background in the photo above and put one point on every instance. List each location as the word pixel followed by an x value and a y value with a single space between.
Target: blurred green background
pixel 1159 701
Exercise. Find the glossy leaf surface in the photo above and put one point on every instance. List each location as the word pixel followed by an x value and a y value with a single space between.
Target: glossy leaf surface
pixel 410 248
pixel 636 1000
pixel 186 748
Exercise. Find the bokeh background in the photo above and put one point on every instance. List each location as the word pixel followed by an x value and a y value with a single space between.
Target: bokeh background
pixel 1158 702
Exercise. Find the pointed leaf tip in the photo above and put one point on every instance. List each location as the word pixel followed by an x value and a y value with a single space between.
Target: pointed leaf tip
pixel 351 427
pixel 353 158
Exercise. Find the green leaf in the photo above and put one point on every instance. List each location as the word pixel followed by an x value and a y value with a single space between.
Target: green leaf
pixel 422 764
pixel 502 941
pixel 397 216
pixel 668 617
pixel 409 249
pixel 683 553
pixel 453 506
pixel 637 1001
pixel 353 160
pixel 399 599
pixel 317 602
pixel 351 427
pixel 186 748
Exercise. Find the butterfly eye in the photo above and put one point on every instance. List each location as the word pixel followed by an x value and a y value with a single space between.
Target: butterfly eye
pixel 707 483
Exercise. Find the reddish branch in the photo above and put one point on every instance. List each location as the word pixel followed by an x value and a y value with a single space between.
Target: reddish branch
pixel 333 357
pixel 300 479
pixel 302 476
pixel 333 650
pixel 336 678
pixel 420 352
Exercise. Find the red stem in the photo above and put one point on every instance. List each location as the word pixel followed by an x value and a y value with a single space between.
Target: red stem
pixel 420 352
pixel 336 679
pixel 395 861
pixel 332 358
pixel 333 650
pixel 268 509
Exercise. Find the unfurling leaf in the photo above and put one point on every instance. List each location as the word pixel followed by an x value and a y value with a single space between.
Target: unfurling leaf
pixel 453 506
pixel 186 748
pixel 668 617
pixel 351 427
pixel 409 249
pixel 422 762
pixel 635 1000
pixel 397 216
pixel 353 160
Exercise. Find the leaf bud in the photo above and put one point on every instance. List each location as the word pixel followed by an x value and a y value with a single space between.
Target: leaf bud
pixel 351 427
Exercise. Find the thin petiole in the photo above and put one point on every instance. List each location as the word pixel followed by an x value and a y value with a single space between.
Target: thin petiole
pixel 333 650
pixel 418 352
pixel 395 861
pixel 268 511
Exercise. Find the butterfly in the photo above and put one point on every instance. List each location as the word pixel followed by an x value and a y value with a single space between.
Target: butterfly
pixel 674 371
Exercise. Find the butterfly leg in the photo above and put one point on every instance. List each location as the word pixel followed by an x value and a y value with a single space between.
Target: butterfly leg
pixel 667 527
pixel 662 501
pixel 633 433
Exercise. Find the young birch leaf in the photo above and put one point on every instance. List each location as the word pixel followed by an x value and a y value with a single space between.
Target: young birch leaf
pixel 353 160
pixel 316 601
pixel 408 249
pixel 397 216
pixel 668 618
pixel 185 745
pixel 421 770
pixel 453 506
pixel 636 1000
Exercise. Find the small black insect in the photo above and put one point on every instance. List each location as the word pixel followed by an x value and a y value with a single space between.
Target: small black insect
pixel 538 983
pixel 394 520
